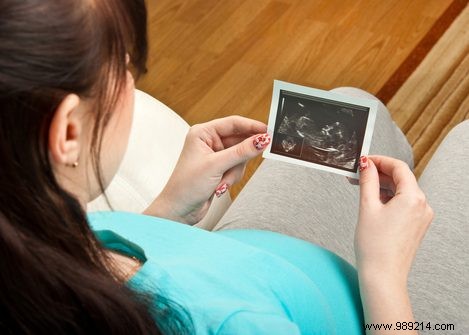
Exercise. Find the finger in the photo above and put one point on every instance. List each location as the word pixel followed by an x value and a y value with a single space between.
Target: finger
pixel 216 144
pixel 385 182
pixel 369 182
pixel 353 181
pixel 208 135
pixel 231 177
pixel 241 152
pixel 237 125
pixel 221 189
pixel 226 142
pixel 233 140
pixel 385 195
pixel 398 171
pixel 234 175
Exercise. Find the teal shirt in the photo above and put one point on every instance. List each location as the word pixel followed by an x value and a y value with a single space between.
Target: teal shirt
pixel 238 281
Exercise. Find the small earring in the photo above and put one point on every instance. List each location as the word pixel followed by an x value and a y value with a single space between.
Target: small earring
pixel 73 165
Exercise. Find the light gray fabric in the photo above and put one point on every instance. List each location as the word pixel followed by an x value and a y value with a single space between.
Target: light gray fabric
pixel 323 208
pixel 439 283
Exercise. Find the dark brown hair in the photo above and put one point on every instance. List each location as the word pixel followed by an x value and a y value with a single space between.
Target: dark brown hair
pixel 53 276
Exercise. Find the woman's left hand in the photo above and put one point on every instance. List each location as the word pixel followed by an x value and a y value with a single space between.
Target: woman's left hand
pixel 213 158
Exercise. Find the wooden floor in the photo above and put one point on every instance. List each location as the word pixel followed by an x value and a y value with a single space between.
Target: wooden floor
pixel 441 82
pixel 211 58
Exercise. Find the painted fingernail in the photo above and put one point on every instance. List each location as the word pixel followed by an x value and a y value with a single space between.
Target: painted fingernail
pixel 261 141
pixel 221 190
pixel 363 163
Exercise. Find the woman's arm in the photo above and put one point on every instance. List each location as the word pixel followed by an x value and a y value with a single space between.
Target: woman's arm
pixel 213 158
pixel 388 234
pixel 386 302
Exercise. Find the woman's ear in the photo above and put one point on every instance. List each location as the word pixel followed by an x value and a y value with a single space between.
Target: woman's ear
pixel 65 131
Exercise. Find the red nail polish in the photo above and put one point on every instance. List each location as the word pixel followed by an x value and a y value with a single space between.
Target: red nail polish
pixel 221 190
pixel 363 163
pixel 261 141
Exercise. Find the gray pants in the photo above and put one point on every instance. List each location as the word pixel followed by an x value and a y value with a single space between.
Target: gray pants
pixel 323 208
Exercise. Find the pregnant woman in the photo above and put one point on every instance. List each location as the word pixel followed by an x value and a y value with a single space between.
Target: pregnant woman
pixel 278 262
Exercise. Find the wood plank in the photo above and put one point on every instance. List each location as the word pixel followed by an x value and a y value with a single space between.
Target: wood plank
pixel 440 63
pixel 408 66
pixel 444 102
pixel 436 96
pixel 458 117
pixel 449 114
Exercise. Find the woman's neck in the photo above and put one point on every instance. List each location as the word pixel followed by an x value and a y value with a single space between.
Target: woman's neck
pixel 123 267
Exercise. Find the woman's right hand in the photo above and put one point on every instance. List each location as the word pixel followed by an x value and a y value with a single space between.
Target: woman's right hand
pixel 391 225
pixel 390 228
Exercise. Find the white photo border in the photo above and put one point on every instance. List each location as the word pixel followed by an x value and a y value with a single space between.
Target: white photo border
pixel 294 88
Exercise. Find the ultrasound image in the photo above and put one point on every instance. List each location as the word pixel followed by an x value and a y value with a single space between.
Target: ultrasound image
pixel 320 131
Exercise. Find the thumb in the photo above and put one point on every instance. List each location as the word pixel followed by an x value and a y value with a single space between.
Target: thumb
pixel 243 151
pixel 369 181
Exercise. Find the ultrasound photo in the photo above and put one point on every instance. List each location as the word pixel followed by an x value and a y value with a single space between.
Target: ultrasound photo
pixel 318 129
